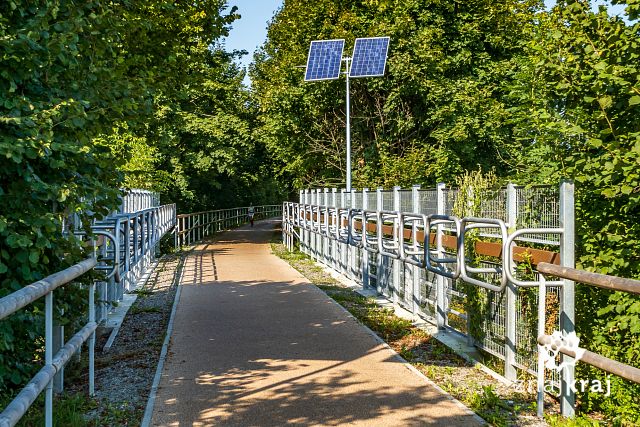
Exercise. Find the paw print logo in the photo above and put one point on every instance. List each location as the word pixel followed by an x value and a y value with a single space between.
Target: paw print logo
pixel 550 351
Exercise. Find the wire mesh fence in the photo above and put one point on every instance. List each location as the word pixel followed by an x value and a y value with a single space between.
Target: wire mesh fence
pixel 500 323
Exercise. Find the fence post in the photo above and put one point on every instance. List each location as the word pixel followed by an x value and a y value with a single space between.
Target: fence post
pixel 397 264
pixel 441 309
pixel 415 270
pixel 343 246
pixel 512 294
pixel 380 257
pixel 353 253
pixel 365 253
pixel 303 239
pixel 567 302
pixel 334 242
pixel 325 221
pixel 315 198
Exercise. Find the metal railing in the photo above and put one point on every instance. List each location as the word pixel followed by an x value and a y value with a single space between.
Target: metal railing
pixel 196 226
pixel 136 200
pixel 410 247
pixel 603 281
pixel 124 245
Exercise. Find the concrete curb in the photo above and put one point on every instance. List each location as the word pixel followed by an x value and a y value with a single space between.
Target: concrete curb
pixel 148 412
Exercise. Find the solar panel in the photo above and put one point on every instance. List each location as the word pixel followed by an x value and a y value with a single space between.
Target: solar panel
pixel 324 60
pixel 369 57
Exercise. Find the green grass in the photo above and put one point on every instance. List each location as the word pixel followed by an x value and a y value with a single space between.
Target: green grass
pixel 79 410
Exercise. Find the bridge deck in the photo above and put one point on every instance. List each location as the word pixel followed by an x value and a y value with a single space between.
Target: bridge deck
pixel 255 344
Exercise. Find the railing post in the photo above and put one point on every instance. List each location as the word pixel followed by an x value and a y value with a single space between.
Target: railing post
pixel 415 270
pixel 325 239
pixel 379 257
pixel 314 235
pixel 397 264
pixel 48 358
pixel 441 306
pixel 365 253
pixel 334 242
pixel 344 247
pixel 567 302
pixel 512 294
pixel 353 254
pixel 304 246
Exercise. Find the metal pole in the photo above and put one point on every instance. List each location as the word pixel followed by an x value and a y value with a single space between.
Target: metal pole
pixel 567 315
pixel 512 295
pixel 441 294
pixel 348 60
pixel 48 358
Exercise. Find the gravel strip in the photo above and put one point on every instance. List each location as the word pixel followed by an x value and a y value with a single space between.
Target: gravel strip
pixel 125 372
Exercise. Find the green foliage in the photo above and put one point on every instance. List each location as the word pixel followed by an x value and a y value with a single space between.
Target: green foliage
pixel 79 84
pixel 439 110
pixel 578 91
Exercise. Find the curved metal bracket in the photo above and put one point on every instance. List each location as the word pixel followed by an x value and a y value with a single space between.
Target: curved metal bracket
pixel 475 223
pixel 115 271
pixel 370 243
pixel 509 264
pixel 383 246
pixel 356 239
pixel 410 253
pixel 342 232
pixel 439 220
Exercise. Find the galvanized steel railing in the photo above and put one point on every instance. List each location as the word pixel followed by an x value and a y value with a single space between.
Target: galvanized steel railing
pixel 410 247
pixel 195 226
pixel 124 246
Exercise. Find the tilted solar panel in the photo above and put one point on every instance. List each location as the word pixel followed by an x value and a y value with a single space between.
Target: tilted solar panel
pixel 369 57
pixel 324 60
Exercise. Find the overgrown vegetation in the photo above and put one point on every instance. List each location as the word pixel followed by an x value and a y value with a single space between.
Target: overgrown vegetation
pixel 536 95
pixel 105 94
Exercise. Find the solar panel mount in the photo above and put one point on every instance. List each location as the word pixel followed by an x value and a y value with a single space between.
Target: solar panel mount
pixel 369 57
pixel 323 62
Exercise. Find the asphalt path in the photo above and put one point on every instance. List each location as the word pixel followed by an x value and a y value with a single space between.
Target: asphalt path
pixel 255 344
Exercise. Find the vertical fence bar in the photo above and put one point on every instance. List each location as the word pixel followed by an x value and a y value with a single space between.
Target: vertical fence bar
pixel 397 264
pixel 567 314
pixel 441 309
pixel 415 270
pixel 48 358
pixel 343 246
pixel 380 258
pixel 334 242
pixel 365 253
pixel 353 255
pixel 512 295
pixel 92 340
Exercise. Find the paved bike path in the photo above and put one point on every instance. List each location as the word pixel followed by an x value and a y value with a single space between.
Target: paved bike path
pixel 255 344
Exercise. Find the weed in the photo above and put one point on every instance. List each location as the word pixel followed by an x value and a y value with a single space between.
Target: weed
pixel 137 310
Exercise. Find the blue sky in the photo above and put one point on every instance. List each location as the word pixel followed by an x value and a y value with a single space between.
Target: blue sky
pixel 250 32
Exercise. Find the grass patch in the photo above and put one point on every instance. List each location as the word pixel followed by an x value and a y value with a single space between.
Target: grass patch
pixel 80 410
pixel 137 310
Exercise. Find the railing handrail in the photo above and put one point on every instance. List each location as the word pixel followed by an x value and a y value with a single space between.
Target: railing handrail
pixel 30 293
pixel 594 359
pixel 599 280
pixel 603 281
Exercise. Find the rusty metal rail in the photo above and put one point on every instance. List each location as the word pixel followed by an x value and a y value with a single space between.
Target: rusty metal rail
pixel 603 281
pixel 594 279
